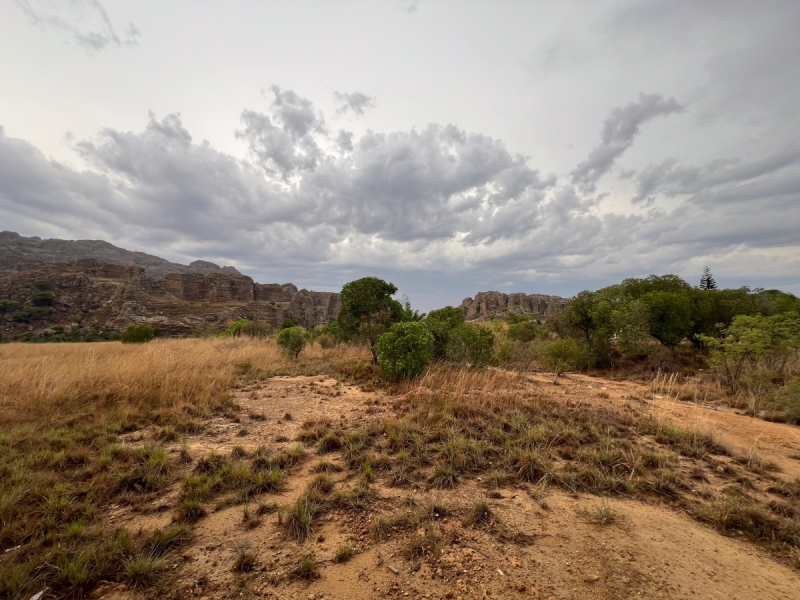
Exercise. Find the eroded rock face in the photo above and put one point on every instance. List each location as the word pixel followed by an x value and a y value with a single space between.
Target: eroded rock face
pixel 90 295
pixel 486 305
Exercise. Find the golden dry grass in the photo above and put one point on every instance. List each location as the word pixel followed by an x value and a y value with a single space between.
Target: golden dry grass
pixel 162 379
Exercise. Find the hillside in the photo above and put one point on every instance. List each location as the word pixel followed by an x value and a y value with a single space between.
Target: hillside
pixel 13 245
pixel 86 296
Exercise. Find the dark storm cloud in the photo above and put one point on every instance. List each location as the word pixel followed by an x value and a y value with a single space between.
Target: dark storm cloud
pixel 619 131
pixel 67 16
pixel 355 102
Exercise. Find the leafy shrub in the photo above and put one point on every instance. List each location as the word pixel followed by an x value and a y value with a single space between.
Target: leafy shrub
pixel 787 398
pixel 287 324
pixel 138 334
pixel 43 299
pixel 326 341
pixel 441 324
pixel 405 350
pixel 42 285
pixel 562 355
pixel 526 331
pixel 7 306
pixel 291 340
pixel 26 315
pixel 473 344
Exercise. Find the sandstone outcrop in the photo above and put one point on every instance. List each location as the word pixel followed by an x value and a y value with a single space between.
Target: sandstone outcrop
pixel 89 295
pixel 487 305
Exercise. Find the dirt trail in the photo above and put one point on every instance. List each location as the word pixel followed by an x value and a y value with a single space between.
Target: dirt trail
pixel 542 543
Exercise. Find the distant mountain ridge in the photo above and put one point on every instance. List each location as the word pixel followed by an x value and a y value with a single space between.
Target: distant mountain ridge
pixel 55 250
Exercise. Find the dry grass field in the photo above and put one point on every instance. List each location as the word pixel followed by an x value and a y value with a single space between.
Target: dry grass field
pixel 221 469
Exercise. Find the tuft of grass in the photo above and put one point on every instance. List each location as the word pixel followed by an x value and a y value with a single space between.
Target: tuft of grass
pixel 529 465
pixel 168 433
pixel 326 466
pixel 245 561
pixel 144 570
pixel 480 515
pixel 329 442
pixel 308 568
pixel 423 546
pixel 320 487
pixel 169 538
pixel 602 515
pixel 300 517
pixel 189 511
pixel 238 452
pixel 444 477
pixel 344 552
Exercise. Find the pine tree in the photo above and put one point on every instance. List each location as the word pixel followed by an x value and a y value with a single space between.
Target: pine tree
pixel 707 280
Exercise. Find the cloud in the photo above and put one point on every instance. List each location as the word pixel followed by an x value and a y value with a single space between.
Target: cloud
pixel 723 180
pixel 355 102
pixel 309 203
pixel 69 18
pixel 619 130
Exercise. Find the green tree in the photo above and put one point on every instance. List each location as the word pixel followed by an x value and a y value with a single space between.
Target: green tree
pixel 138 334
pixel 707 280
pixel 561 356
pixel 525 331
pixel 580 313
pixel 291 340
pixel 8 306
pixel 43 299
pixel 405 350
pixel 751 343
pixel 287 323
pixel 471 343
pixel 368 310
pixel 670 316
pixel 441 323
pixel 408 313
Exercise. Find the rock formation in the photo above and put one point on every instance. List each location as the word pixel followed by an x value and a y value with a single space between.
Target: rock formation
pixel 91 295
pixel 486 305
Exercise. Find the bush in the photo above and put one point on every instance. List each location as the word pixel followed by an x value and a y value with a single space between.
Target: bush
pixel 291 340
pixel 405 350
pixel 787 398
pixel 138 334
pixel 325 341
pixel 562 355
pixel 7 306
pixel 43 299
pixel 42 285
pixel 26 315
pixel 441 323
pixel 526 331
pixel 473 344
pixel 287 324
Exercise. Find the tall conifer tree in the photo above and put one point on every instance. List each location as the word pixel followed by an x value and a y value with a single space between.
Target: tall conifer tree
pixel 707 280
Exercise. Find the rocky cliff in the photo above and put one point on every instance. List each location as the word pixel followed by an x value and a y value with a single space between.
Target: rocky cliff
pixel 90 296
pixel 486 305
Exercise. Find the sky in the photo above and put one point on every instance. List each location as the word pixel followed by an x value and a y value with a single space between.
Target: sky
pixel 448 147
